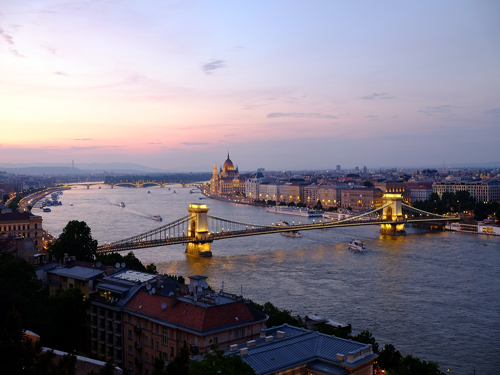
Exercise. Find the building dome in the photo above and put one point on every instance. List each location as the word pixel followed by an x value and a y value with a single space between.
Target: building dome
pixel 228 164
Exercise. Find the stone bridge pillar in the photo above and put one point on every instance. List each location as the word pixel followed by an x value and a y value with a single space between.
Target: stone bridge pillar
pixel 393 212
pixel 198 231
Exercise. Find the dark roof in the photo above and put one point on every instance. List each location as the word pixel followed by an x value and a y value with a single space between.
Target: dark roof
pixel 191 315
pixel 17 216
pixel 301 346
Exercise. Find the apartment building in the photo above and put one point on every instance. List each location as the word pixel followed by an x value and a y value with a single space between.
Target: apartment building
pixel 481 191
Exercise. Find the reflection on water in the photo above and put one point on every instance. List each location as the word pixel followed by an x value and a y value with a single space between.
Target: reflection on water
pixel 433 295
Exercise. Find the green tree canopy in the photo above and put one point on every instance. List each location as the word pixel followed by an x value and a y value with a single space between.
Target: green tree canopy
pixel 216 363
pixel 77 240
pixel 410 365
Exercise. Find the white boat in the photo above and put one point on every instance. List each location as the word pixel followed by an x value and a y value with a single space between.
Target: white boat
pixel 479 228
pixel 292 233
pixel 121 204
pixel 357 245
pixel 157 218
pixel 304 212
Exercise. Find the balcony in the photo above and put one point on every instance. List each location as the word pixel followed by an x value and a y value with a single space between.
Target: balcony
pixel 138 345
pixel 138 362
pixel 137 329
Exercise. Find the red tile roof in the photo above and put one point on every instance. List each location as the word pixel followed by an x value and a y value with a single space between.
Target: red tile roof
pixel 189 315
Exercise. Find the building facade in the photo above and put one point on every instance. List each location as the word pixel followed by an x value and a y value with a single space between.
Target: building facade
pixel 481 191
pixel 361 199
pixel 23 225
pixel 227 181
pixel 157 325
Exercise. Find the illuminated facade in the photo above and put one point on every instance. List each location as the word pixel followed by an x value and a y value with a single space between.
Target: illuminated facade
pixel 23 225
pixel 227 181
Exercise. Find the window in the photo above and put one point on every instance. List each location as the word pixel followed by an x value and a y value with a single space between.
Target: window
pixel 147 357
pixel 130 366
pixel 165 336
pixel 216 340
pixel 172 352
pixel 129 333
pixel 145 324
pixel 152 343
pixel 243 332
pixel 236 333
pixel 129 349
pixel 172 334
pixel 187 337
pixel 157 329
pixel 130 318
pixel 146 341
pixel 157 345
pixel 164 356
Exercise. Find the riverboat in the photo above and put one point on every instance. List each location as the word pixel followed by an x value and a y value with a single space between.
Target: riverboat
pixel 121 204
pixel 46 209
pixel 157 218
pixel 304 212
pixel 357 245
pixel 479 228
pixel 292 233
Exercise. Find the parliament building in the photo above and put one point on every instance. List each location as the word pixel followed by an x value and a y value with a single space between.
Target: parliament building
pixel 227 180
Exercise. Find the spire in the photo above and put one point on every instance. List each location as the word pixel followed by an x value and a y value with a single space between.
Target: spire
pixel 228 154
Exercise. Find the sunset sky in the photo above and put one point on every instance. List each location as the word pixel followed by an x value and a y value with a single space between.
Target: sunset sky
pixel 278 84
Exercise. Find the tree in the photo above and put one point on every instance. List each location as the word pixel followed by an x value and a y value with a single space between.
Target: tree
pixel 130 261
pixel 180 364
pixel 5 198
pixel 410 365
pixel 216 363
pixel 367 338
pixel 77 240
pixel 68 315
pixel 389 357
pixel 277 316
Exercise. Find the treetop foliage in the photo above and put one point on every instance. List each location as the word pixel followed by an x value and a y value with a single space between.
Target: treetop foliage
pixel 76 239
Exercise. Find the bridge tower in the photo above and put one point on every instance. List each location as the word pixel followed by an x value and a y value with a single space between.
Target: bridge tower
pixel 393 212
pixel 198 231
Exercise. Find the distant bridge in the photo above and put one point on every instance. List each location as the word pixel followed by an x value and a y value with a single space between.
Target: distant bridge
pixel 198 229
pixel 135 184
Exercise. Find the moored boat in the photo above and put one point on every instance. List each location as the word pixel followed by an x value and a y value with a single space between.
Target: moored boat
pixel 121 204
pixel 157 218
pixel 46 209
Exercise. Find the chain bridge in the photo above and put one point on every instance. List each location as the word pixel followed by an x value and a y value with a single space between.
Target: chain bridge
pixel 198 229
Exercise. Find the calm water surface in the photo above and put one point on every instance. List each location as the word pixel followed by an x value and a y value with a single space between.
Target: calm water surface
pixel 434 295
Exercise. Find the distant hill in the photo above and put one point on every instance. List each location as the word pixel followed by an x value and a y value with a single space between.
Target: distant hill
pixel 82 168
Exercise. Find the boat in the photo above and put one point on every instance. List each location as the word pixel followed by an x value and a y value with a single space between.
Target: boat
pixel 99 188
pixel 149 192
pixel 304 212
pixel 292 233
pixel 121 204
pixel 157 218
pixel 46 209
pixel 357 245
pixel 479 228
pixel 174 192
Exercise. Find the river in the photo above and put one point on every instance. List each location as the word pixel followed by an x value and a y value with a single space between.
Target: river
pixel 435 295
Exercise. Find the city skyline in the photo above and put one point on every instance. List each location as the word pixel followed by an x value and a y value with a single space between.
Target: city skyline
pixel 287 85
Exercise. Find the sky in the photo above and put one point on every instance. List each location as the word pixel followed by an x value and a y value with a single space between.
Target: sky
pixel 282 85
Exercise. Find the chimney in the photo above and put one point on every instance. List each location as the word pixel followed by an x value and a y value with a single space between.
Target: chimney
pixel 269 338
pixel 280 334
pixel 263 332
pixel 159 280
pixel 250 343
pixel 233 347
pixel 340 357
pixel 243 351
